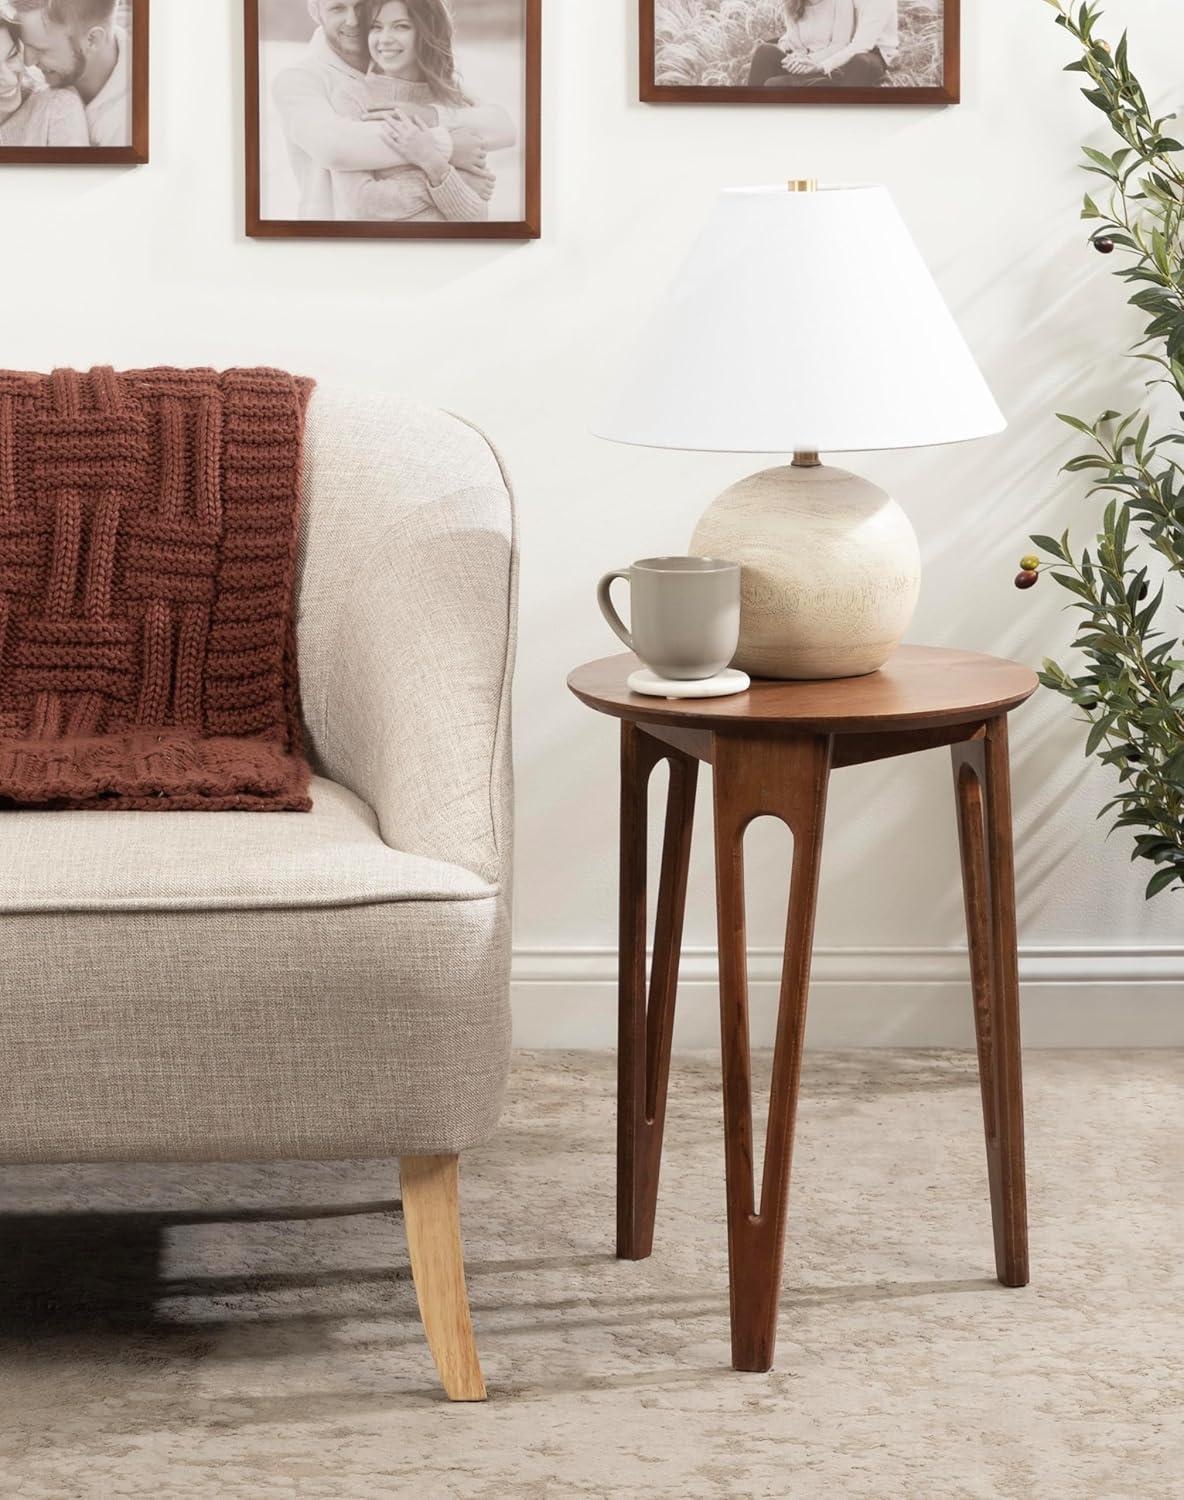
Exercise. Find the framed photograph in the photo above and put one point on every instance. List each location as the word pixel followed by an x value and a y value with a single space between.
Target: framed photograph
pixel 800 51
pixel 393 119
pixel 74 81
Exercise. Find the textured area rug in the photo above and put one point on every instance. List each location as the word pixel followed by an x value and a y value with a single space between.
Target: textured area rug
pixel 252 1331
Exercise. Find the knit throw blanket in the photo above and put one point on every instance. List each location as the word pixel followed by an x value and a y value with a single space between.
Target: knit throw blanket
pixel 148 528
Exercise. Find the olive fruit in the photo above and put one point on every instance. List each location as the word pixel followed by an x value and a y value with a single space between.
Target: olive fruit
pixel 1026 578
pixel 1030 563
pixel 1104 246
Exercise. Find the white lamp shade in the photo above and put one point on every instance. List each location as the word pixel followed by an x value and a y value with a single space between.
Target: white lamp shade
pixel 802 322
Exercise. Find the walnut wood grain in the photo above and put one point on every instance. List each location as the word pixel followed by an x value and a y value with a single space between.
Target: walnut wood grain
pixel 919 687
pixel 136 152
pixel 772 750
pixel 947 92
pixel 529 227
pixel 646 1017
pixel 431 1212
pixel 697 743
pixel 983 787
pixel 860 749
pixel 786 778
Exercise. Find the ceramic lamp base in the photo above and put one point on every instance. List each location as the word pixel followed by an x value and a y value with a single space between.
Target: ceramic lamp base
pixel 722 685
pixel 831 571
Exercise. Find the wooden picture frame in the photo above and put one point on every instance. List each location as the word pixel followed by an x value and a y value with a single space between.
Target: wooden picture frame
pixel 685 75
pixel 524 223
pixel 136 151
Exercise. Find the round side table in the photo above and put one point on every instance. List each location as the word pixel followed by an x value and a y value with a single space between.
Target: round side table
pixel 772 750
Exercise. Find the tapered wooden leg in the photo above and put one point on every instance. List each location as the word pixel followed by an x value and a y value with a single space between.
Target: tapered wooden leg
pixel 982 780
pixel 431 1209
pixel 786 777
pixel 646 1025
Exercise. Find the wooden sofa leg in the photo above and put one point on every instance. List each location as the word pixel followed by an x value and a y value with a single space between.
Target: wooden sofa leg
pixel 431 1210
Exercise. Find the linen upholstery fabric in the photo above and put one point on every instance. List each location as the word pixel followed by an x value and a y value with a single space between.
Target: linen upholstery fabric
pixel 147 552
pixel 364 1031
pixel 196 861
pixel 406 598
pixel 312 996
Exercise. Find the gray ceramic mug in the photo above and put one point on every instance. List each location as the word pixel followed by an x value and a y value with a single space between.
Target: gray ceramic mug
pixel 684 612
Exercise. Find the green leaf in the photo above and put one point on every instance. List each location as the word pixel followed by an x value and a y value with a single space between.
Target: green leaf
pixel 1100 159
pixel 1148 613
pixel 1075 586
pixel 1050 544
pixel 1174 769
pixel 1097 733
pixel 1161 880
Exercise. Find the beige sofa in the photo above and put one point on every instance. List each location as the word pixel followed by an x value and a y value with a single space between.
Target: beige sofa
pixel 238 986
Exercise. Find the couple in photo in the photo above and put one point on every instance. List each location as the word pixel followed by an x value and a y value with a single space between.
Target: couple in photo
pixel 832 43
pixel 377 123
pixel 65 74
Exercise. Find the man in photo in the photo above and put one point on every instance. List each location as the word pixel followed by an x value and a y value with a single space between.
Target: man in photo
pixel 829 43
pixel 76 44
pixel 317 100
pixel 34 116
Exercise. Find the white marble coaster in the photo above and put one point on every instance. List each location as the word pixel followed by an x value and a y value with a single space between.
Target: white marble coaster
pixel 722 685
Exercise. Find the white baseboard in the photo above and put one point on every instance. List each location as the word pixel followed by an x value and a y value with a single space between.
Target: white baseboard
pixel 870 997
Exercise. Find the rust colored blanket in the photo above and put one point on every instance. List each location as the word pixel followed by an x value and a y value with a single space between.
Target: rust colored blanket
pixel 148 527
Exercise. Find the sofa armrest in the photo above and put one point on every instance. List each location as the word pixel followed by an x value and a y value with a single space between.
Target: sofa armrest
pixel 406 623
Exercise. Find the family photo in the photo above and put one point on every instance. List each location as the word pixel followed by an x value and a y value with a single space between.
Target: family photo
pixel 390 116
pixel 797 49
pixel 66 75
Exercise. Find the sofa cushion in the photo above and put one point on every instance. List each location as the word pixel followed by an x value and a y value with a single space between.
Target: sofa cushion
pixel 212 861
pixel 378 1030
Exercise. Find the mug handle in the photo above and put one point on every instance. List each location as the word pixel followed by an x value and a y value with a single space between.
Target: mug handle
pixel 607 609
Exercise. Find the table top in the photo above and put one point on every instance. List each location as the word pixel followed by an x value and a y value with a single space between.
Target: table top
pixel 919 686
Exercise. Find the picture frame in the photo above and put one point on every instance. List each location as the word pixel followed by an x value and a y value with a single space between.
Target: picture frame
pixel 497 47
pixel 115 116
pixel 717 62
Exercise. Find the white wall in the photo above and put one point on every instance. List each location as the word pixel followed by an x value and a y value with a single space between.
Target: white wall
pixel 150 264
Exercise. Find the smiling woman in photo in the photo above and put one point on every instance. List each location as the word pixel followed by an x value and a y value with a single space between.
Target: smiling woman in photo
pixel 393 119
pixel 413 83
pixel 31 116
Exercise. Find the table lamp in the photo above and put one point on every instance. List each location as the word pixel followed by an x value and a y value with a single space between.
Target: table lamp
pixel 804 321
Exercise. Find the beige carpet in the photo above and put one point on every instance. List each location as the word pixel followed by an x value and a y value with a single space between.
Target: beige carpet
pixel 251 1331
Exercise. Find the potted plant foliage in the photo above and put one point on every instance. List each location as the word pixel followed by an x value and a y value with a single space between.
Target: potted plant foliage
pixel 1129 682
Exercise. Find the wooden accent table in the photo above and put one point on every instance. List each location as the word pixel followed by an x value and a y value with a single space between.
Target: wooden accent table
pixel 772 750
